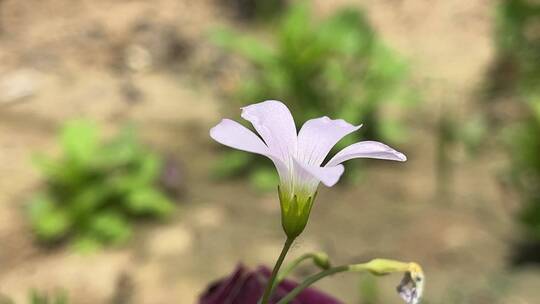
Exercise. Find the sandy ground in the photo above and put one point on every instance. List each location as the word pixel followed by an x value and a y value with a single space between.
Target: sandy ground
pixel 84 59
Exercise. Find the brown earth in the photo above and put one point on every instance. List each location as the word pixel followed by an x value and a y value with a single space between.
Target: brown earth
pixel 100 60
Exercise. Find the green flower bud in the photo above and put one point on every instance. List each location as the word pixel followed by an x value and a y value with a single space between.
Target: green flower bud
pixel 295 212
pixel 385 266
pixel 321 259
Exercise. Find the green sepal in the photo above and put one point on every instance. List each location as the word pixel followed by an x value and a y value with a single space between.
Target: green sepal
pixel 295 213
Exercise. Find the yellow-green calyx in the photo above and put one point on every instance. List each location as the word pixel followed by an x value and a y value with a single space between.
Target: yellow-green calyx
pixel 386 266
pixel 411 286
pixel 295 212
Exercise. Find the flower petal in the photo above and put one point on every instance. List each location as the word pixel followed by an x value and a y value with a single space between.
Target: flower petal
pixel 274 122
pixel 309 175
pixel 317 137
pixel 231 133
pixel 366 149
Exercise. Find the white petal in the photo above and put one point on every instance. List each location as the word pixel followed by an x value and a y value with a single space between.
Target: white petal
pixel 231 133
pixel 366 149
pixel 317 137
pixel 274 122
pixel 311 175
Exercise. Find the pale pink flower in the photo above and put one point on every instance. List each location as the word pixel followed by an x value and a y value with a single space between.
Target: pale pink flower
pixel 298 157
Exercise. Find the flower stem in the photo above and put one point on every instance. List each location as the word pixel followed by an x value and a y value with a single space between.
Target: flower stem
pixel 311 280
pixel 375 267
pixel 284 273
pixel 289 268
pixel 271 282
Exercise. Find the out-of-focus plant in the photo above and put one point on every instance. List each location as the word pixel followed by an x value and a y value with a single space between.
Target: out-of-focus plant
pixel 524 142
pixel 256 9
pixel 369 291
pixel 453 133
pixel 96 188
pixel 518 46
pixel 37 297
pixel 338 67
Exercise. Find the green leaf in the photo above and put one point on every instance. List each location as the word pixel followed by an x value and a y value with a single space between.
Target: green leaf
pixel 149 201
pixel 49 222
pixel 149 168
pixel 121 151
pixel 80 140
pixel 86 200
pixel 140 174
pixel 296 25
pixel 245 46
pixel 110 227
pixel 86 244
pixel 347 32
pixel 50 168
pixel 37 297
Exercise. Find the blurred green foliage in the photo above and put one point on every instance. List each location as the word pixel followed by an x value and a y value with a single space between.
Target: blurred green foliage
pixel 95 189
pixel 518 45
pixel 518 41
pixel 369 290
pixel 455 133
pixel 524 142
pixel 336 67
pixel 256 10
pixel 37 297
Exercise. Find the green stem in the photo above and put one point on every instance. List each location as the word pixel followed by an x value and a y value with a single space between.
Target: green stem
pixel 290 267
pixel 375 267
pixel 270 286
pixel 311 280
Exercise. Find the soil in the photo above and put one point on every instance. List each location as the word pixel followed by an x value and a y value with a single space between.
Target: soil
pixel 101 60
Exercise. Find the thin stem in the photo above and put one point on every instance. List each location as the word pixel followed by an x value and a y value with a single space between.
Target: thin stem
pixel 284 273
pixel 277 266
pixel 375 267
pixel 311 280
pixel 290 267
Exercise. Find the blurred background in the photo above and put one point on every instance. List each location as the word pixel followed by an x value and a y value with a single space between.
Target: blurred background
pixel 113 192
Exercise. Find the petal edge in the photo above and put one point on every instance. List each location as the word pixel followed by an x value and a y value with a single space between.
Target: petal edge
pixel 231 133
pixel 318 136
pixel 329 176
pixel 366 149
pixel 275 123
